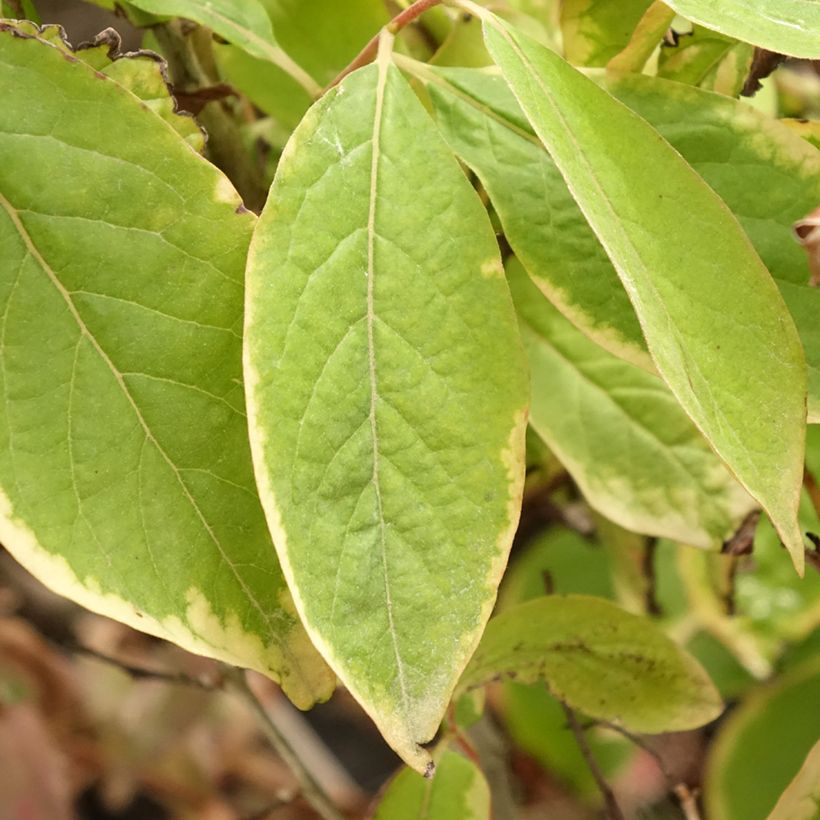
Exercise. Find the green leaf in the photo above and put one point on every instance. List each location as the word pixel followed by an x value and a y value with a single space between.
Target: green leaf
pixel 143 73
pixel 649 32
pixel 607 663
pixel 125 473
pixel 245 23
pixel 785 26
pixel 761 746
pixel 707 59
pixel 378 315
pixel 457 791
pixel 684 262
pixel 634 453
pixel 594 31
pixel 801 800
pixel 323 36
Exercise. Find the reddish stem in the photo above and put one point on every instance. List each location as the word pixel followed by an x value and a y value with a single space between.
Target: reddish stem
pixel 368 53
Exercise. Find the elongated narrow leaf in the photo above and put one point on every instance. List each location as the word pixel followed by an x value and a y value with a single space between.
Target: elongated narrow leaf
pixel 457 791
pixel 761 746
pixel 125 473
pixel 784 26
pixel 650 31
pixel 609 664
pixel 801 800
pixel 594 31
pixel 387 395
pixel 620 433
pixel 687 267
pixel 245 23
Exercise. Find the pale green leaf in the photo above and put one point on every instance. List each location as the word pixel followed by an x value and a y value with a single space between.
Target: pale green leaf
pixel 594 31
pixel 687 266
pixel 125 473
pixel 707 59
pixel 649 32
pixel 387 393
pixel 801 800
pixel 457 791
pixel 762 744
pixel 245 23
pixel 607 663
pixel 143 73
pixel 785 26
pixel 631 449
pixel 738 151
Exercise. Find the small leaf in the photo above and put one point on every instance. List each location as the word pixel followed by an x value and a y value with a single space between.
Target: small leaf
pixel 707 59
pixel 785 26
pixel 801 800
pixel 650 31
pixel 607 663
pixel 634 453
pixel 457 791
pixel 686 264
pixel 762 744
pixel 125 475
pixel 594 31
pixel 388 394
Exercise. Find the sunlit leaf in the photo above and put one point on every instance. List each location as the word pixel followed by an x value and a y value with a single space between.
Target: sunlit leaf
pixel 594 31
pixel 387 391
pixel 125 473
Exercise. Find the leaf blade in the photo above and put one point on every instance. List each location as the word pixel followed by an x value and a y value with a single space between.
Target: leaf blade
pixel 409 296
pixel 637 219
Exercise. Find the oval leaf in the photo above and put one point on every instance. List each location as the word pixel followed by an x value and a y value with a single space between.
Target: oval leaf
pixel 785 26
pixel 687 267
pixel 607 663
pixel 457 791
pixel 387 393
pixel 762 745
pixel 634 453
pixel 125 473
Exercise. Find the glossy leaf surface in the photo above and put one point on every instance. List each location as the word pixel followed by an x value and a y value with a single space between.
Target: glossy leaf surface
pixel 607 663
pixel 124 466
pixel 388 395
pixel 641 199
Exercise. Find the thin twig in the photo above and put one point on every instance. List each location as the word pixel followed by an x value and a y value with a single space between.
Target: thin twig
pixel 311 790
pixel 648 571
pixel 368 53
pixel 613 810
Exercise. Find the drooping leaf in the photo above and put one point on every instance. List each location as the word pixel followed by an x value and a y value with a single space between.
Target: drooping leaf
pixel 801 800
pixel 594 31
pixel 707 59
pixel 457 791
pixel 125 474
pixel 785 26
pixel 245 23
pixel 631 449
pixel 762 744
pixel 607 663
pixel 684 261
pixel 387 395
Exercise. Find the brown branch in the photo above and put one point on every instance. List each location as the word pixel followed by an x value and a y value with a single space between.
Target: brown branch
pixel 613 810
pixel 368 53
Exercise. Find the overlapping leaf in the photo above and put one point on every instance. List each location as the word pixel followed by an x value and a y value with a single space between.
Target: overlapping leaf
pixel 125 473
pixel 387 391
pixel 609 664
pixel 620 433
pixel 642 199
pixel 784 26
pixel 594 31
